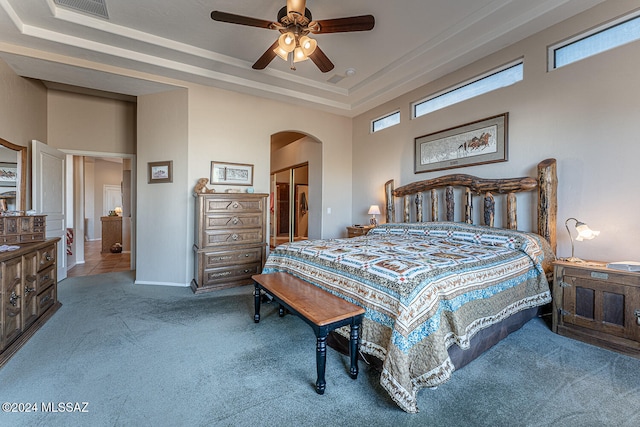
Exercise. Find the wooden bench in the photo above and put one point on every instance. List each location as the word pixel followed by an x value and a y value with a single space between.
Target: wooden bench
pixel 322 310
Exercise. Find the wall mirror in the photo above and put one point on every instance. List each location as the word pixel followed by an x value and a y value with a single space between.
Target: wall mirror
pixel 13 166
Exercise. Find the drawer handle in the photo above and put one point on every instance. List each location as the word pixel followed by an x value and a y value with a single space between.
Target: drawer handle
pixel 637 314
pixel 48 257
pixel 13 299
pixel 45 277
pixel 235 205
pixel 247 255
pixel 248 270
pixel 235 220
pixel 45 299
pixel 234 236
pixel 27 290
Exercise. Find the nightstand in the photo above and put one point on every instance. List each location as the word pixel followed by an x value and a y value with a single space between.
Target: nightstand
pixel 597 305
pixel 358 230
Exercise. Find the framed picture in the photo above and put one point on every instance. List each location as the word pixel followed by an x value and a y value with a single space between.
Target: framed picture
pixel 476 143
pixel 231 173
pixel 8 174
pixel 160 172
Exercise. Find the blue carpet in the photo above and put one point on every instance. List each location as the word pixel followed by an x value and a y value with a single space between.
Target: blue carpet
pixel 161 356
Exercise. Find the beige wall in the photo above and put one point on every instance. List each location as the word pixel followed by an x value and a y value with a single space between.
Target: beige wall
pixel 232 127
pixel 90 123
pixel 584 115
pixel 164 241
pixel 23 110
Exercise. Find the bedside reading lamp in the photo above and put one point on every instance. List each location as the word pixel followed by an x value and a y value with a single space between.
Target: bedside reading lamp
pixel 584 233
pixel 373 211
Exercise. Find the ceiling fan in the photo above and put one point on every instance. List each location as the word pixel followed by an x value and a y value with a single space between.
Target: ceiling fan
pixel 295 23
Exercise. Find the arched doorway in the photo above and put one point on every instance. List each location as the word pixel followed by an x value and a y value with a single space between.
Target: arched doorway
pixel 296 187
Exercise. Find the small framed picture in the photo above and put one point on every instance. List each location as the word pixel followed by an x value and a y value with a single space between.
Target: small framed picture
pixel 8 174
pixel 160 172
pixel 231 174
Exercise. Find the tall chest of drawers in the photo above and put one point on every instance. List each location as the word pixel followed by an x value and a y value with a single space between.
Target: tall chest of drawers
pixel 230 239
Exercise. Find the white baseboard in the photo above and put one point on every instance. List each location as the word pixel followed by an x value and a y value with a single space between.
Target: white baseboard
pixel 145 282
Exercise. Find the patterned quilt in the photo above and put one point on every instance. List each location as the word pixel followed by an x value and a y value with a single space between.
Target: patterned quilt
pixel 424 287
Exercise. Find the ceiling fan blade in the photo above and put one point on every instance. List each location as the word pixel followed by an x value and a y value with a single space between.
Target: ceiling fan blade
pixel 266 58
pixel 320 59
pixel 242 20
pixel 343 25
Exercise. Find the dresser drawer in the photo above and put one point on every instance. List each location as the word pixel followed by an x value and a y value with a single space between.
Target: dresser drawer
pixel 46 256
pixel 212 276
pixel 230 237
pixel 46 299
pixel 10 239
pixel 234 204
pixel 34 237
pixel 233 221
pixel 224 258
pixel 46 278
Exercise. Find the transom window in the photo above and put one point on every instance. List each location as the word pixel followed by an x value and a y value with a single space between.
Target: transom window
pixel 605 37
pixel 492 80
pixel 385 121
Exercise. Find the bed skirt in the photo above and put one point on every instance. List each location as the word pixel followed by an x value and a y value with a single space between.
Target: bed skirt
pixel 481 342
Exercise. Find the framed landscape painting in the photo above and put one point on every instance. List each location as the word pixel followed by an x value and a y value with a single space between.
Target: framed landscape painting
pixel 231 173
pixel 8 174
pixel 160 172
pixel 476 143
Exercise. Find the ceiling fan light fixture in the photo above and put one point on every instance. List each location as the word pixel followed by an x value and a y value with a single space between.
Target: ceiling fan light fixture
pixel 308 45
pixel 299 55
pixel 287 42
pixel 281 53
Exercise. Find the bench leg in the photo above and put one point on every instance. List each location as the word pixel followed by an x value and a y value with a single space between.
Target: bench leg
pixel 256 298
pixel 321 362
pixel 353 350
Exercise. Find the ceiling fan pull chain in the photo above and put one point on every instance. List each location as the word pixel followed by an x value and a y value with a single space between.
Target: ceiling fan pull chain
pixel 291 63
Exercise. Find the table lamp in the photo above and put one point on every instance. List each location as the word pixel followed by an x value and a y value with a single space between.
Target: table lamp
pixel 373 211
pixel 584 233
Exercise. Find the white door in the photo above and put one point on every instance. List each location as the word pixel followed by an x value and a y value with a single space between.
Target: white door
pixel 48 194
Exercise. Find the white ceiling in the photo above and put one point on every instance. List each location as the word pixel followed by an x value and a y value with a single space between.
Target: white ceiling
pixel 413 42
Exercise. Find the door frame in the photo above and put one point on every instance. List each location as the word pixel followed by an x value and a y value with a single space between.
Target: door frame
pixel 132 157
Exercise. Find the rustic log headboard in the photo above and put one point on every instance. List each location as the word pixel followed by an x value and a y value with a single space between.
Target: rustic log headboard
pixel 546 183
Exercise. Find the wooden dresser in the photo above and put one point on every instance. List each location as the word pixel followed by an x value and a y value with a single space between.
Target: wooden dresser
pixel 111 232
pixel 230 239
pixel 29 294
pixel 598 305
pixel 22 229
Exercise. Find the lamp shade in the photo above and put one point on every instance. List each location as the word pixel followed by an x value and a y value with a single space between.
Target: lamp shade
pixel 287 41
pixel 374 210
pixel 308 45
pixel 584 232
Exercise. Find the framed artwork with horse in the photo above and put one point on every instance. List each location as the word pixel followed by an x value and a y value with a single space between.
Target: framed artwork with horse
pixel 480 142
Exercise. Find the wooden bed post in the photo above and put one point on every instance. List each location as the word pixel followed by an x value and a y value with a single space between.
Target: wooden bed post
pixel 390 202
pixel 548 201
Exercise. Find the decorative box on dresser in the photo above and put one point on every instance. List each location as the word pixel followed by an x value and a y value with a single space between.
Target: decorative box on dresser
pixel 230 239
pixel 598 305
pixel 29 294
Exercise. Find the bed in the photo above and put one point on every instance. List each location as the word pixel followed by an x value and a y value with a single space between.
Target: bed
pixel 437 293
